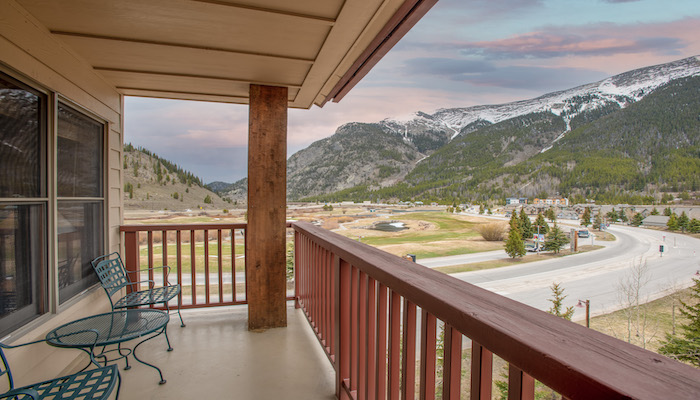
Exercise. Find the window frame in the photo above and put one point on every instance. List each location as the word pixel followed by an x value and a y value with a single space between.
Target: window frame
pixel 48 275
pixel 76 288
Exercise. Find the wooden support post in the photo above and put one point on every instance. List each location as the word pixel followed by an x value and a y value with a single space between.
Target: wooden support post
pixel 267 187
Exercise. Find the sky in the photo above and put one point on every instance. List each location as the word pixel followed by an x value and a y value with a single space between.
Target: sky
pixel 462 53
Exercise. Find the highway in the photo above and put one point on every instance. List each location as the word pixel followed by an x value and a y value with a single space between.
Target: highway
pixel 596 275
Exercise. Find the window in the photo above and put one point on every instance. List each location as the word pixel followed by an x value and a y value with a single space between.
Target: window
pixel 23 203
pixel 80 202
pixel 26 179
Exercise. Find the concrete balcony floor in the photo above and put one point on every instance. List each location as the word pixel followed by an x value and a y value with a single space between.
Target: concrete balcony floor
pixel 216 357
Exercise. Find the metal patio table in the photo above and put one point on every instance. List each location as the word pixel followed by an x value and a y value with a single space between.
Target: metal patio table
pixel 112 328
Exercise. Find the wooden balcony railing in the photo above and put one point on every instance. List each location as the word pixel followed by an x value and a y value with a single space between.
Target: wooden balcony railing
pixel 207 260
pixel 395 329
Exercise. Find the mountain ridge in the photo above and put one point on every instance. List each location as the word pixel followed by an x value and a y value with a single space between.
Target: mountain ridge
pixel 382 154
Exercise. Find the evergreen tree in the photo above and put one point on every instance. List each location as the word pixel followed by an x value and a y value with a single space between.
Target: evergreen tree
pixel 555 240
pixel 672 223
pixel 685 345
pixel 550 215
pixel 598 222
pixel 694 226
pixel 623 216
pixel 654 211
pixel 557 303
pixel 637 219
pixel 683 222
pixel 612 215
pixel 481 208
pixel 514 221
pixel 586 217
pixel 525 225
pixel 515 247
pixel 544 227
pixel 667 211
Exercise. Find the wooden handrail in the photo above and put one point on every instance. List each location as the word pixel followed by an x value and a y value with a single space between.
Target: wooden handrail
pixel 574 361
pixel 182 227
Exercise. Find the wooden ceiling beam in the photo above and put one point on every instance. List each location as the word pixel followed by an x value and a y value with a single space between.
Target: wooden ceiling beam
pixel 308 61
pixel 177 75
pixel 307 17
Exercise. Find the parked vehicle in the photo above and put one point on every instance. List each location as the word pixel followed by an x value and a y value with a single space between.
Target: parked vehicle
pixel 583 233
pixel 532 247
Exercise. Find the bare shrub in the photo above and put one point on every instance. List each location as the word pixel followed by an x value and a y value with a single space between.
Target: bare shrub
pixel 492 232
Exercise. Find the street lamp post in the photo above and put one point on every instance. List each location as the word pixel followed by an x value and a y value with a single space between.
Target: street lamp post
pixel 588 311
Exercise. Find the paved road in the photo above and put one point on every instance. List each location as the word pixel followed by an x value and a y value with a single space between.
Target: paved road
pixel 597 275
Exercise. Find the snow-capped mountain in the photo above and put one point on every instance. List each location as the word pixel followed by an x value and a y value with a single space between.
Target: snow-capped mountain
pixel 622 89
pixel 449 148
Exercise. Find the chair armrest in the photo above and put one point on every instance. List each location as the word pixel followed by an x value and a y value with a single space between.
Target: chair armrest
pixel 16 392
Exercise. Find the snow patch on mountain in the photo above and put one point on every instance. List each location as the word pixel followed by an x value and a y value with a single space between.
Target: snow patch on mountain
pixel 622 89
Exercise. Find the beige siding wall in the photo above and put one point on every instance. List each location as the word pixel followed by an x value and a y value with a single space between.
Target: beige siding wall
pixel 30 53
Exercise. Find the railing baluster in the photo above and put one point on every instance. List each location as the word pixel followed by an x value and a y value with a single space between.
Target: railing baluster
pixel 481 372
pixel 150 257
pixel 427 356
pixel 220 254
pixel 193 267
pixel 233 264
pixel 178 249
pixel 297 268
pixel 342 301
pixel 521 386
pixel 206 267
pixel 371 334
pixel 452 364
pixel 164 251
pixel 382 319
pixel 408 376
pixel 362 339
pixel 354 328
pixel 131 257
pixel 394 385
pixel 328 298
pixel 332 336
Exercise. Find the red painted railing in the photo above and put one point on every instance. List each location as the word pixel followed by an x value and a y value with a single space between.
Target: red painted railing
pixel 208 278
pixel 395 329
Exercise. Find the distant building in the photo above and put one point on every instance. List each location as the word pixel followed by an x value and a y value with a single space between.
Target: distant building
pixel 567 215
pixel 552 201
pixel 655 220
pixel 516 200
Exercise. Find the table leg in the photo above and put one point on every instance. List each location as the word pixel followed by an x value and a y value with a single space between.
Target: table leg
pixel 126 357
pixel 162 380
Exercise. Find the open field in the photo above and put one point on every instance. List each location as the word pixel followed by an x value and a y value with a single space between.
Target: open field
pixel 659 321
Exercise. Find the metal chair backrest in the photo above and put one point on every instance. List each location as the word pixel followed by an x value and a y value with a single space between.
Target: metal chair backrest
pixel 110 270
pixel 5 367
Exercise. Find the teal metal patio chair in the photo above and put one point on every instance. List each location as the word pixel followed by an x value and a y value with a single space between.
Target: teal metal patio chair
pixel 113 276
pixel 93 384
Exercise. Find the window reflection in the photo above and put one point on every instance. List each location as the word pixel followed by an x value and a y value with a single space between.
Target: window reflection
pixel 21 158
pixel 79 154
pixel 21 262
pixel 79 241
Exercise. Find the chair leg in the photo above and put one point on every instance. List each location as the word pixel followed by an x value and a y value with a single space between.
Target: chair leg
pixel 182 323
pixel 167 339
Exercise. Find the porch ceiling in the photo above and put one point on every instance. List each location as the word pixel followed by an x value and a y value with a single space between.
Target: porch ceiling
pixel 213 49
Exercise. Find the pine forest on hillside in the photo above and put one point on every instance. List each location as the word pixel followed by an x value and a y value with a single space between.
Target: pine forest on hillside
pixel 154 183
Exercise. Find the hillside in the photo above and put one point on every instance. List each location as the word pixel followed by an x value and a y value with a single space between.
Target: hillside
pixel 153 183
